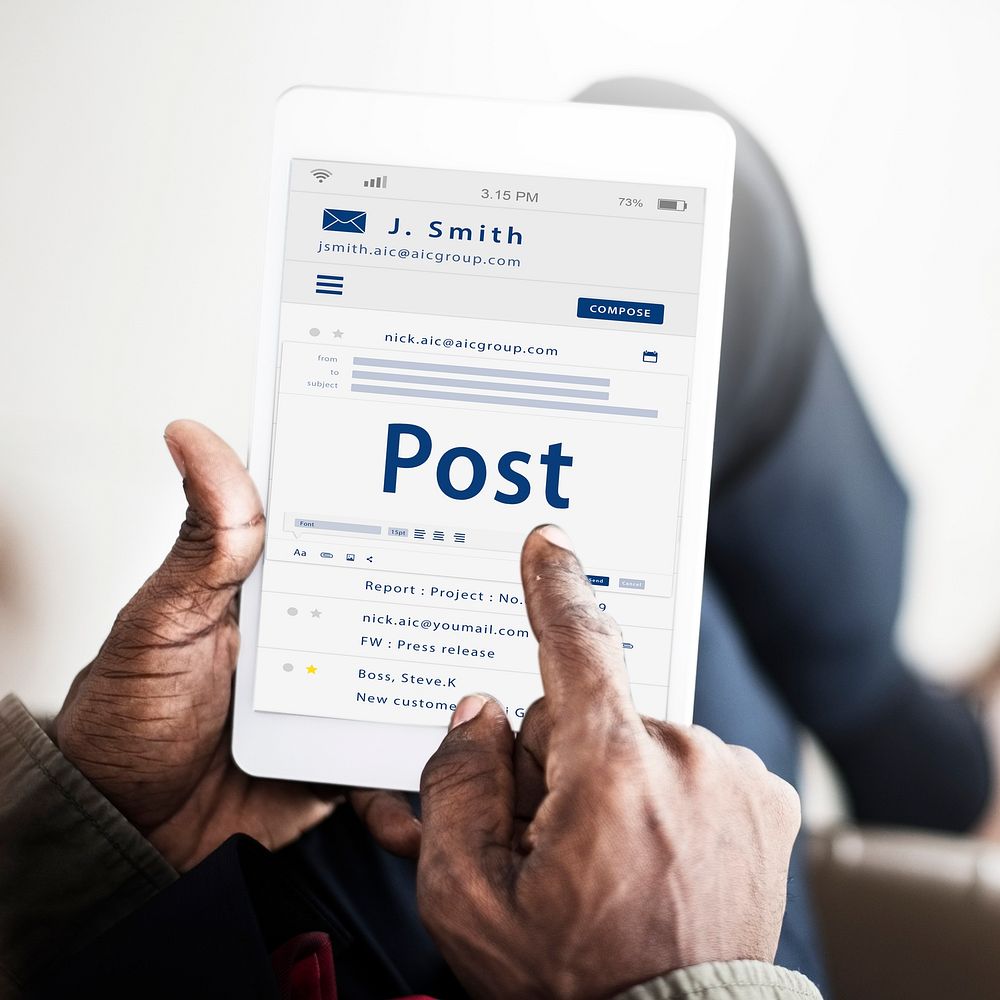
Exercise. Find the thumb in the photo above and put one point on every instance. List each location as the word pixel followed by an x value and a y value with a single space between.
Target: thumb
pixel 217 546
pixel 467 794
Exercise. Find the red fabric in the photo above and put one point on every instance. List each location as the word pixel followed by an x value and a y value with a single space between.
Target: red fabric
pixel 303 967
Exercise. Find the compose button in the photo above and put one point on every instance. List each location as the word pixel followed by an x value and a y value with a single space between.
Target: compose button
pixel 620 310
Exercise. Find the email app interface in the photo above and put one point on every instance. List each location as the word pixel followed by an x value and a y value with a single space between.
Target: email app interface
pixel 463 356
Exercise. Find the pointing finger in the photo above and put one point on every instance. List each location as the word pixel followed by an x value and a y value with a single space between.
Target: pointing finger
pixel 579 647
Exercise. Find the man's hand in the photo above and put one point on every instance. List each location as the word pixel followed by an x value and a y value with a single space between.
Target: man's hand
pixel 603 849
pixel 148 720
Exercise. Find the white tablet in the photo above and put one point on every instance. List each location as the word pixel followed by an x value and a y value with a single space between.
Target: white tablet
pixel 478 316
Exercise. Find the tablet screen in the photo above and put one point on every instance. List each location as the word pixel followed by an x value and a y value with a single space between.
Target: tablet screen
pixel 463 356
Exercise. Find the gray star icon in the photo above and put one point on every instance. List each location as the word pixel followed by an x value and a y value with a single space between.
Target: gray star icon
pixel 338 334
pixel 316 613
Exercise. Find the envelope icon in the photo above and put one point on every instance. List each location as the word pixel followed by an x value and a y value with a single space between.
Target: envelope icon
pixel 339 220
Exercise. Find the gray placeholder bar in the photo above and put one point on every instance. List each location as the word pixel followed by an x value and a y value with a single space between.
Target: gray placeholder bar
pixel 468 383
pixel 540 404
pixel 365 529
pixel 427 366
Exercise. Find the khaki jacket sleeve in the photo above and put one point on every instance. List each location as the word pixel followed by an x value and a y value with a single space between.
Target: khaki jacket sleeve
pixel 70 864
pixel 726 981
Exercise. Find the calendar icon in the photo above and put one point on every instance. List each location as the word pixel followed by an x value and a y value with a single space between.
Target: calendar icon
pixel 651 357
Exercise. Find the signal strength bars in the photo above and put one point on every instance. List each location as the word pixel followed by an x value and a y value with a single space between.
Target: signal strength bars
pixel 329 284
pixel 377 182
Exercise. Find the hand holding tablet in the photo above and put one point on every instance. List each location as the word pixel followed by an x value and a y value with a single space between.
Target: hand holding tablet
pixel 598 849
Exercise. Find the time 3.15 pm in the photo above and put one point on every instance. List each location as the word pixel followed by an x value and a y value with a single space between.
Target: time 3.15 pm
pixel 504 194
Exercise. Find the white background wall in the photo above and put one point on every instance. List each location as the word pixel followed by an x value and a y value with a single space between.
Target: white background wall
pixel 135 141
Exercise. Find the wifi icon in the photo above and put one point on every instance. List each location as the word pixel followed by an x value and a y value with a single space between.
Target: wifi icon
pixel 321 174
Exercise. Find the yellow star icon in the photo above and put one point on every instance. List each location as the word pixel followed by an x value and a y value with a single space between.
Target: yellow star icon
pixel 310 669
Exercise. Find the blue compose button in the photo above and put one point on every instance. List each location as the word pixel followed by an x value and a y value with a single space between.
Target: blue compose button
pixel 620 310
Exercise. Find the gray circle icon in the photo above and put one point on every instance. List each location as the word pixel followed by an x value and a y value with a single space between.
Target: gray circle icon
pixel 314 332
pixel 287 667
pixel 293 611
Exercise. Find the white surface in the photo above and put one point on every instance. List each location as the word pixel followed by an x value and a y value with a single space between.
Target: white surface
pixel 551 140
pixel 135 156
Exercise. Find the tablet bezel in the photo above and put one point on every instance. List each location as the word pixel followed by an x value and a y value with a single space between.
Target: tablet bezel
pixel 617 143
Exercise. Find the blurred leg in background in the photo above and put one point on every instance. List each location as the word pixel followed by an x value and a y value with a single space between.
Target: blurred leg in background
pixel 805 549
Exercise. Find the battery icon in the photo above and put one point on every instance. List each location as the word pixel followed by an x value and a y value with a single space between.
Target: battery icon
pixel 671 205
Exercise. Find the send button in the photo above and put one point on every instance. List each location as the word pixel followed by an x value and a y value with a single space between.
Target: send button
pixel 620 311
